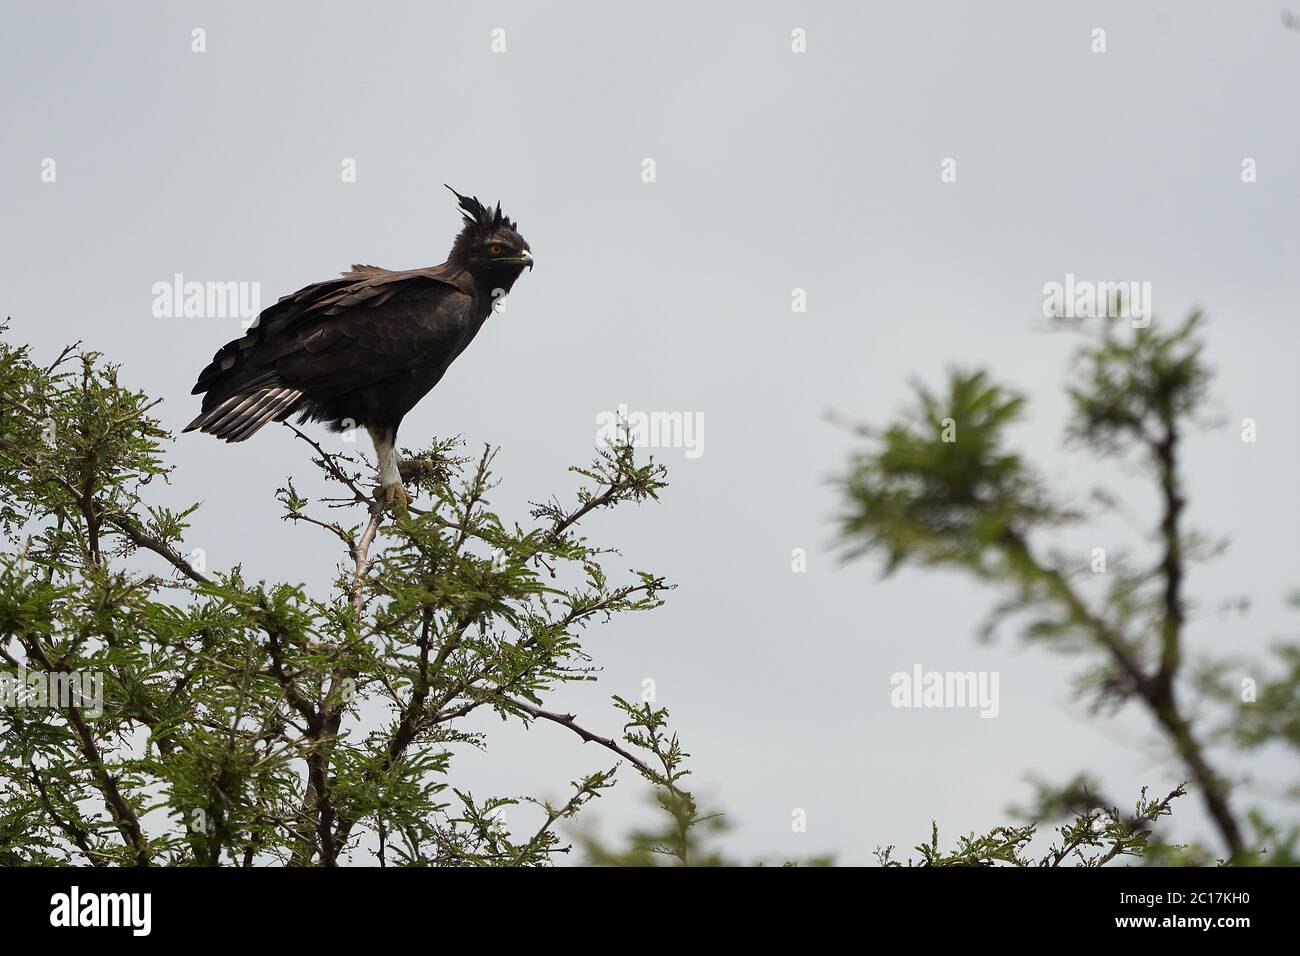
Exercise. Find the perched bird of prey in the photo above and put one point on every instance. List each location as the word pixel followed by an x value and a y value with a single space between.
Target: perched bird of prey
pixel 361 350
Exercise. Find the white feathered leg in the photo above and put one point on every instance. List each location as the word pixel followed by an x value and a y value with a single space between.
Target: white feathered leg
pixel 390 476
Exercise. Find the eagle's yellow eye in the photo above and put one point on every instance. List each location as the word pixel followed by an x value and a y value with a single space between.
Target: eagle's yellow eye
pixel 496 248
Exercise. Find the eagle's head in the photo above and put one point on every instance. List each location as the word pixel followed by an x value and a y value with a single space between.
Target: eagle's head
pixel 489 246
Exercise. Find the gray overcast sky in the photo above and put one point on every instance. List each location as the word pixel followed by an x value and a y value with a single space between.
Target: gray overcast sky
pixel 775 170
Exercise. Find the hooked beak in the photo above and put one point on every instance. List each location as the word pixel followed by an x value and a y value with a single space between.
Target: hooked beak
pixel 526 258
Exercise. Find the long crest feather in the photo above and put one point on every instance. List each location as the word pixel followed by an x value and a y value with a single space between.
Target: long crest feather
pixel 477 216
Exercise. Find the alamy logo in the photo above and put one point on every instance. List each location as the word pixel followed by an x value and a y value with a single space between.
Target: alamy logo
pixel 1083 299
pixel 45 689
pixel 653 429
pixel 75 908
pixel 207 300
pixel 921 688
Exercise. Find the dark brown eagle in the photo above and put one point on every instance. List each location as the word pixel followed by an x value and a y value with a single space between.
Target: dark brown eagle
pixel 360 351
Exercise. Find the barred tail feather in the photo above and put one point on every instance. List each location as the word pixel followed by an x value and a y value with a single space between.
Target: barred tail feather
pixel 241 415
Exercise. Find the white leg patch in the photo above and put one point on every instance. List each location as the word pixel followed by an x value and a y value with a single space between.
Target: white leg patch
pixel 387 454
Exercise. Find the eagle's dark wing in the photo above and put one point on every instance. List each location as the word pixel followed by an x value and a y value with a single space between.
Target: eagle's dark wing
pixel 328 350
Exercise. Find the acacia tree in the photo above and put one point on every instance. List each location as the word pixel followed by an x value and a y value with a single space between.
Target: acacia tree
pixel 942 487
pixel 249 723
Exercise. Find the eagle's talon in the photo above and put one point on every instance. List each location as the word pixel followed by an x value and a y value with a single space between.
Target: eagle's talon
pixel 394 497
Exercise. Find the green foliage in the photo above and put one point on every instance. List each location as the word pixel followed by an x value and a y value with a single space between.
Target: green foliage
pixel 1135 387
pixel 250 723
pixel 683 835
pixel 940 487
pixel 681 841
pixel 253 723
pixel 1094 835
pixel 943 487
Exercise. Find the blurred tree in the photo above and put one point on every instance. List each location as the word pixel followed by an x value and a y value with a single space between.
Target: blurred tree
pixel 941 487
